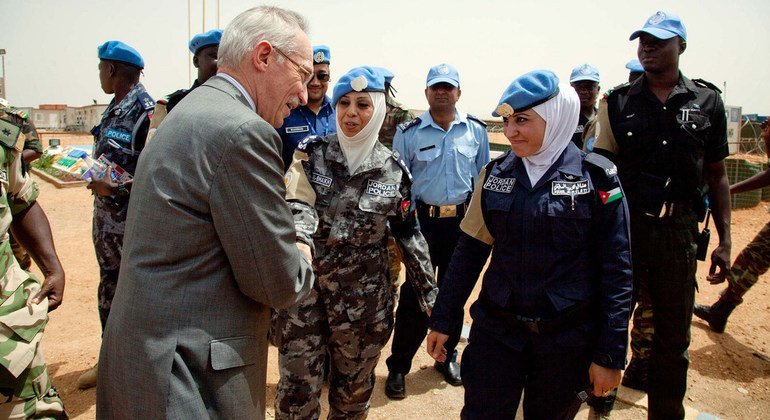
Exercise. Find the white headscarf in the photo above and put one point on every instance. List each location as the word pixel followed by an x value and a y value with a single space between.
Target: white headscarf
pixel 561 114
pixel 357 148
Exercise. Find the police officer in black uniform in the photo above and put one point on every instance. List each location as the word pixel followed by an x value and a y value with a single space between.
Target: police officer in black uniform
pixel 552 315
pixel 667 135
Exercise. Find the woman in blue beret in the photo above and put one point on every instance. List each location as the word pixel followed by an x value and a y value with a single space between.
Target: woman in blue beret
pixel 551 319
pixel 347 192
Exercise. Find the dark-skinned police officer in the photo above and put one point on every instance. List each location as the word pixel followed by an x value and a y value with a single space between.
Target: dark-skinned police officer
pixel 205 48
pixel 552 315
pixel 585 80
pixel 667 135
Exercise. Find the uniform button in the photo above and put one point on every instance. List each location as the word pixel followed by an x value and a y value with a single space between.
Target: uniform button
pixel 665 142
pixel 629 134
pixel 664 108
pixel 694 126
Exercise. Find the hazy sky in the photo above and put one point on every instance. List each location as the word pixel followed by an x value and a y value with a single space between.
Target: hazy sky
pixel 51 44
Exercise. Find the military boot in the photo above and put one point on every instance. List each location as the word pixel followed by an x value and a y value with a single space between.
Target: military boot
pixel 716 315
pixel 636 374
pixel 88 378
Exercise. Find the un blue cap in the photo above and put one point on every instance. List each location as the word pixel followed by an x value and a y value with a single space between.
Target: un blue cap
pixel 634 66
pixel 584 72
pixel 443 73
pixel 662 25
pixel 387 74
pixel 119 51
pixel 361 79
pixel 205 39
pixel 528 90
pixel 321 54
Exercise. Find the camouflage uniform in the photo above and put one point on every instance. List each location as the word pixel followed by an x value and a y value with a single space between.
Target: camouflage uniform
pixel 395 114
pixel 24 382
pixel 350 312
pixel 31 142
pixel 120 137
pixel 753 261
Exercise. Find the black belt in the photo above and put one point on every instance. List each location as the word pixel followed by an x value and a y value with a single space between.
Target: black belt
pixel 429 210
pixel 565 320
pixel 671 209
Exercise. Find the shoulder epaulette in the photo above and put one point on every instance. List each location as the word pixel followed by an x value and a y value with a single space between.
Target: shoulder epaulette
pixel 409 124
pixel 474 118
pixel 609 91
pixel 307 143
pixel 400 161
pixel 175 94
pixel 703 83
pixel 146 101
pixel 603 163
pixel 497 160
pixel 163 101
pixel 21 114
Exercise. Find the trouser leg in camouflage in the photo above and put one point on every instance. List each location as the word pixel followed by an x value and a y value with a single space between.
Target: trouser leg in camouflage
pixel 109 249
pixel 643 329
pixel 752 262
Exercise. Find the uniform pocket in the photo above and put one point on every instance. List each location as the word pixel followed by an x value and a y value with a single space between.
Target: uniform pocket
pixel 570 228
pixel 427 154
pixel 233 352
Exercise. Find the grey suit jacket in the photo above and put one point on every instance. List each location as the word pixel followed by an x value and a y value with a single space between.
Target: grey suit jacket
pixel 209 247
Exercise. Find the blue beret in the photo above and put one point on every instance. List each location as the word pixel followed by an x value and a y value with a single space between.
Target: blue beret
pixel 321 54
pixel 361 79
pixel 634 66
pixel 443 73
pixel 584 72
pixel 387 74
pixel 662 25
pixel 526 91
pixel 118 51
pixel 205 39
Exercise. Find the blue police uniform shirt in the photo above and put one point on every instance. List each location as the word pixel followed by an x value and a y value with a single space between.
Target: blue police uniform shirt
pixel 444 164
pixel 301 123
pixel 557 244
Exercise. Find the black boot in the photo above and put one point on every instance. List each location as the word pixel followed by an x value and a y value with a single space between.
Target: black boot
pixel 636 374
pixel 716 314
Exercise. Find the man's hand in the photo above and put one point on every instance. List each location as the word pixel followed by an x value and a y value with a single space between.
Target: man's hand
pixel 305 250
pixel 53 288
pixel 103 186
pixel 436 348
pixel 720 258
pixel 603 379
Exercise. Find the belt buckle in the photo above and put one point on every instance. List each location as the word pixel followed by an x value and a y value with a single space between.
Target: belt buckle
pixel 447 211
pixel 531 326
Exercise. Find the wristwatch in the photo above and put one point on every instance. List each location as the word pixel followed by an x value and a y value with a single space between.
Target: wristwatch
pixel 122 190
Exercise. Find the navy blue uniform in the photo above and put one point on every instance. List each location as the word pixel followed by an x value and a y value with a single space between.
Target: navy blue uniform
pixel 560 255
pixel 301 123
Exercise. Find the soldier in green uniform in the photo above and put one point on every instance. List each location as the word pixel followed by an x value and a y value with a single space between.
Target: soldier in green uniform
pixel 205 48
pixel 751 263
pixel 24 302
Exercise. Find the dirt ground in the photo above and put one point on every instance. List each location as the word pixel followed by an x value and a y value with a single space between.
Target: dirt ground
pixel 727 378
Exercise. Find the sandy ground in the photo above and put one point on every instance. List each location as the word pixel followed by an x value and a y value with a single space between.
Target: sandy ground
pixel 726 378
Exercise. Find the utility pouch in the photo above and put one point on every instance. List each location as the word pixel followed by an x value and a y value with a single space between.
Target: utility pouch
pixel 703 239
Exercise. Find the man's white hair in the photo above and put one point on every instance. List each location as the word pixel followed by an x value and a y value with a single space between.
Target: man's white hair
pixel 263 23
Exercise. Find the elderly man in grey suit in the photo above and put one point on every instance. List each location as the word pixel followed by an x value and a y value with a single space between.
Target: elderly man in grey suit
pixel 210 243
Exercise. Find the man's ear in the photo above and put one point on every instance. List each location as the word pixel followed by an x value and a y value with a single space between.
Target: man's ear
pixel 682 45
pixel 260 55
pixel 195 61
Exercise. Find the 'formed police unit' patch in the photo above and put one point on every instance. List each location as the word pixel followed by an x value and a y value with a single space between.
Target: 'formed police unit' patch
pixel 501 185
pixel 380 189
pixel 319 179
pixel 570 188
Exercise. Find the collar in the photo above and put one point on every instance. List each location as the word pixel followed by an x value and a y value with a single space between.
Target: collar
pixel 427 120
pixel 570 162
pixel 127 102
pixel 684 85
pixel 240 87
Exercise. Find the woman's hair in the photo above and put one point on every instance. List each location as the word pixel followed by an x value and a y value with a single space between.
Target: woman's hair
pixel 263 23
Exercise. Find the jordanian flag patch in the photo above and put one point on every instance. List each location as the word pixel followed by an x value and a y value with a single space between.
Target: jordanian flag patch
pixel 611 195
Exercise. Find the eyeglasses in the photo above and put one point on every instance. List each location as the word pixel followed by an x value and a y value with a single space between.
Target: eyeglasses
pixel 322 77
pixel 304 74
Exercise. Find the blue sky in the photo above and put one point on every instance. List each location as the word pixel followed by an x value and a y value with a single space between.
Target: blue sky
pixel 51 44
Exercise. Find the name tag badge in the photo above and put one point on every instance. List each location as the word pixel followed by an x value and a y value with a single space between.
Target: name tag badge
pixel 381 190
pixel 500 185
pixel 298 129
pixel 319 179
pixel 118 135
pixel 570 188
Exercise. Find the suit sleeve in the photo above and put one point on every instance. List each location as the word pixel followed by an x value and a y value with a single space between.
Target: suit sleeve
pixel 253 221
pixel 615 281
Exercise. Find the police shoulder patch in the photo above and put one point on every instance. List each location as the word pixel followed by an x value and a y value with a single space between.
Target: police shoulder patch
pixel 307 143
pixel 409 124
pixel 603 163
pixel 611 90
pixel 703 83
pixel 476 119
pixel 146 101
